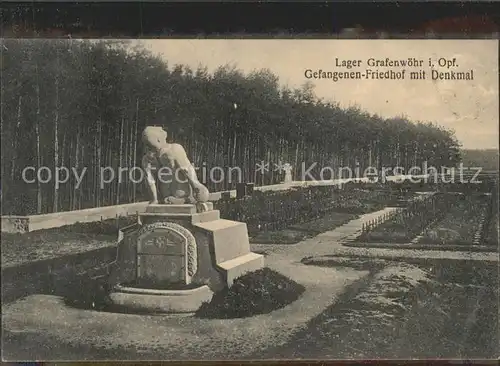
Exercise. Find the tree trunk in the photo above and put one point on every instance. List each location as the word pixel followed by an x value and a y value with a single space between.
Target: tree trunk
pixel 38 154
pixel 118 176
pixel 98 191
pixel 61 159
pixel 14 141
pixel 56 142
pixel 295 167
pixel 77 193
pixel 135 142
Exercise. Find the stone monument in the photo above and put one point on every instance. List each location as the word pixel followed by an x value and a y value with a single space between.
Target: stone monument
pixel 180 251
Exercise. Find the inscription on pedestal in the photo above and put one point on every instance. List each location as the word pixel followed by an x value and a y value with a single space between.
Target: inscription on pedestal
pixel 166 252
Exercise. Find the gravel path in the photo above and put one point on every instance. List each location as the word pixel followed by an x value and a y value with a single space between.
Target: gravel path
pixel 168 337
pixel 322 244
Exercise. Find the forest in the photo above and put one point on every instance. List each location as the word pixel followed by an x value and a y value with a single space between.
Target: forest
pixel 487 159
pixel 83 104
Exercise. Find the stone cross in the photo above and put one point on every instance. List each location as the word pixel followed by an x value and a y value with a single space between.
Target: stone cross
pixel 288 173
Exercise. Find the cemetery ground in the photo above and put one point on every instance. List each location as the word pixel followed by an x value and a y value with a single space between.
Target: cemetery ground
pixel 340 296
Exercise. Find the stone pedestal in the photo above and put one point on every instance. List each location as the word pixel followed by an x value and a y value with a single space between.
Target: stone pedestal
pixel 161 301
pixel 180 248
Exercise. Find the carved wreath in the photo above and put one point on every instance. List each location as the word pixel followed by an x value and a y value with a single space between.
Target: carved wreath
pixel 191 252
pixel 20 225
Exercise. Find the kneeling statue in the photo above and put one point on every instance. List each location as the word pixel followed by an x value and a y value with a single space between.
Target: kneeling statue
pixel 169 165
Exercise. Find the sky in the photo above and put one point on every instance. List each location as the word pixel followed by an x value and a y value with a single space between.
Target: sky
pixel 468 107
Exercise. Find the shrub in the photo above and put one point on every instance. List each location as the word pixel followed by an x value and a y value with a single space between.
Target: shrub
pixel 259 292
pixel 87 292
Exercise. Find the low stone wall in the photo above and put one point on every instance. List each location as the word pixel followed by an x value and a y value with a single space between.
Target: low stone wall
pixel 15 224
pixel 53 276
pixel 23 224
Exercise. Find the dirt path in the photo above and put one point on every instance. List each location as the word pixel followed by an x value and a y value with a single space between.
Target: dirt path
pixel 47 318
pixel 325 243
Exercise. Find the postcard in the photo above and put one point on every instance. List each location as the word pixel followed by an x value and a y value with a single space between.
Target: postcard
pixel 249 199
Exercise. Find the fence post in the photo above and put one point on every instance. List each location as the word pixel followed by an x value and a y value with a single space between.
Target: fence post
pixel 241 190
pixel 250 188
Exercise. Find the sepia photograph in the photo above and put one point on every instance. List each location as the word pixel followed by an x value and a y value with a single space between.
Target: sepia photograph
pixel 249 199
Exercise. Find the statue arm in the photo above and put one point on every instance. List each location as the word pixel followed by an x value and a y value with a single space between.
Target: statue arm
pixel 185 165
pixel 201 193
pixel 150 180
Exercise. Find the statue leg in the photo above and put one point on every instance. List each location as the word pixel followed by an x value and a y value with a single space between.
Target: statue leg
pixel 183 191
pixel 199 191
pixel 165 192
pixel 171 200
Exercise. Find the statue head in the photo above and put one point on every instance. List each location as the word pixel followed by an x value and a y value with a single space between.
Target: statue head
pixel 154 137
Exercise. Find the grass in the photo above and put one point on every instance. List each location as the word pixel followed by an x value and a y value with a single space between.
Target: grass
pixel 491 238
pixel 491 230
pixel 407 311
pixel 459 225
pixel 454 226
pixel 285 236
pixel 106 227
pixel 44 244
pixel 331 221
pixel 403 226
pixel 393 231
pixel 22 248
pixel 393 234
pixel 259 292
pixel 298 232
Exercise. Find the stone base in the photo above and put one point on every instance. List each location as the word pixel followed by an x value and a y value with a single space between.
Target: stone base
pixel 222 247
pixel 237 267
pixel 179 209
pixel 230 248
pixel 160 301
